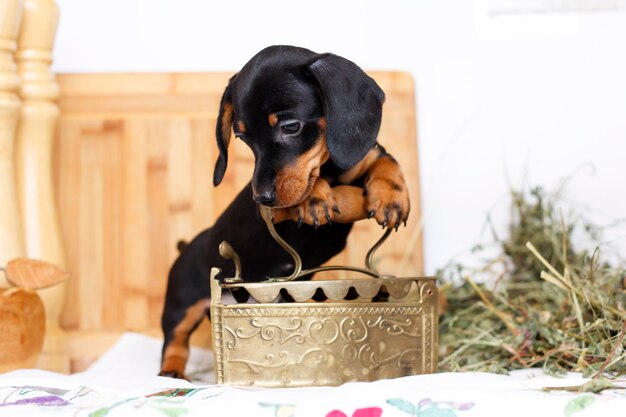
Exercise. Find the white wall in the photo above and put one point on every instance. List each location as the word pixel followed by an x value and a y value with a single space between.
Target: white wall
pixel 501 100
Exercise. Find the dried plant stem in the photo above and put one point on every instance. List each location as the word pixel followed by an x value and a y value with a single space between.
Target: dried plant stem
pixel 506 319
pixel 567 283
pixel 617 344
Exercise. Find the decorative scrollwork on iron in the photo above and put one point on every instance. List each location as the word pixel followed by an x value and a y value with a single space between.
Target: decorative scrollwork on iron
pixel 324 331
pixel 270 331
pixel 394 327
pixel 353 330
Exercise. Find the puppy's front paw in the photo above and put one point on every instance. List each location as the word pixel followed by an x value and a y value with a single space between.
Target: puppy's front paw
pixel 318 208
pixel 173 374
pixel 173 365
pixel 387 201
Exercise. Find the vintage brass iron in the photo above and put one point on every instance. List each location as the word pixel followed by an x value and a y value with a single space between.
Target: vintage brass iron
pixel 307 343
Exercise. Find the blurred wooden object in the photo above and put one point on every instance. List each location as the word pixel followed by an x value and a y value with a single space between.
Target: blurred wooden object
pixel 22 328
pixel 22 315
pixel 11 238
pixel 134 166
pixel 33 159
pixel 34 274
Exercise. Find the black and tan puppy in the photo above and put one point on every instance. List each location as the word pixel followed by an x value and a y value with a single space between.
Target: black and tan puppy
pixel 311 121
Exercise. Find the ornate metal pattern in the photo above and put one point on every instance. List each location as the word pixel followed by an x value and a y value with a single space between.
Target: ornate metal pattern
pixel 307 343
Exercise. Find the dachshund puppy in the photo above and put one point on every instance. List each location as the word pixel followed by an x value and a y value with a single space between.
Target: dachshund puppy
pixel 311 121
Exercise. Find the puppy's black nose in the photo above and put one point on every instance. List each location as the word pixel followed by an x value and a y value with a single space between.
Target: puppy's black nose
pixel 267 198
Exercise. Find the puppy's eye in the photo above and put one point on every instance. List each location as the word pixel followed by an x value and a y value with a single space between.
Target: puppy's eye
pixel 291 127
pixel 241 136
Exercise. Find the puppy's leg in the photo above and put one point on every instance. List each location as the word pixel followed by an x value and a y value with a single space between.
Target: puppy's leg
pixel 186 302
pixel 177 329
pixel 340 204
pixel 387 197
pixel 386 193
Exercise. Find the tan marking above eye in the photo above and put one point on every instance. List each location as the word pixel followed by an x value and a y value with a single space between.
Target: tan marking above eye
pixel 241 126
pixel 272 119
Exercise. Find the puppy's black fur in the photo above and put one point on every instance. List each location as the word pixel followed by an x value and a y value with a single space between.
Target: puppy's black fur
pixel 307 118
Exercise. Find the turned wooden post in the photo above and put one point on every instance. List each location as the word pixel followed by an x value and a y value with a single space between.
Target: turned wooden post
pixel 33 159
pixel 11 238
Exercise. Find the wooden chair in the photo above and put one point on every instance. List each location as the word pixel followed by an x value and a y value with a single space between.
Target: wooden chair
pixel 130 168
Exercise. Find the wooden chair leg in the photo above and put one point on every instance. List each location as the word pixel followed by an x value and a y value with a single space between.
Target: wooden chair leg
pixel 34 143
pixel 11 237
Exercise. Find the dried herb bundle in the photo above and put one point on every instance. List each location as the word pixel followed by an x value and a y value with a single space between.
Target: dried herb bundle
pixel 552 305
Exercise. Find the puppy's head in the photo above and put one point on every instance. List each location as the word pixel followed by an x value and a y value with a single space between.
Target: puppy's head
pixel 297 110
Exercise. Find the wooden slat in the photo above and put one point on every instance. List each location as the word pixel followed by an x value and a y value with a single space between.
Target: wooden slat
pixel 91 222
pixel 203 152
pixel 193 93
pixel 136 223
pixel 135 84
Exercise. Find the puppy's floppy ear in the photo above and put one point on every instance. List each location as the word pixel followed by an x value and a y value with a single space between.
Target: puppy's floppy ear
pixel 353 106
pixel 223 133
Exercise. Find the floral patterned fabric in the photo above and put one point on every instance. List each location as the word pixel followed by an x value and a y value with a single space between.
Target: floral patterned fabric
pixel 114 388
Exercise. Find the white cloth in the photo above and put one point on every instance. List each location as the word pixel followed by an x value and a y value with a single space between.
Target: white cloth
pixel 123 382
